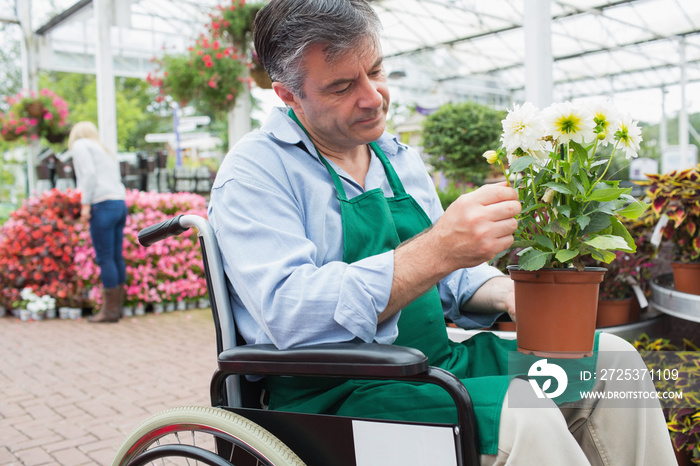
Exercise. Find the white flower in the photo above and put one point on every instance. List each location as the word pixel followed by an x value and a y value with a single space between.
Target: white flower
pixel 606 120
pixel 630 136
pixel 27 294
pixel 523 129
pixel 568 122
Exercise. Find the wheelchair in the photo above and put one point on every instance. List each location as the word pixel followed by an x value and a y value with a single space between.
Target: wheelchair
pixel 237 429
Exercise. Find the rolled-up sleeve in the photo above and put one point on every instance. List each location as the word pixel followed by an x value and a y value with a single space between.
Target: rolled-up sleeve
pixel 458 287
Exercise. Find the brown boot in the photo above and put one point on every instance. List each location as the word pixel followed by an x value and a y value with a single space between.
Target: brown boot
pixel 110 310
pixel 120 299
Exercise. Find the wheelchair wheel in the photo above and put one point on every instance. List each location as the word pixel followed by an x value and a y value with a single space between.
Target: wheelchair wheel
pixel 196 433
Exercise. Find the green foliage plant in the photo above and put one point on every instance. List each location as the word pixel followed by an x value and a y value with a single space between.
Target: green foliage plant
pixel 676 195
pixel 455 137
pixel 569 210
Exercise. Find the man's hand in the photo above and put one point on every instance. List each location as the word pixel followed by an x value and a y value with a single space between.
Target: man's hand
pixel 478 225
pixel 475 228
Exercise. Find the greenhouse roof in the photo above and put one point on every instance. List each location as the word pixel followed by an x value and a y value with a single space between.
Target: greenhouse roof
pixel 439 50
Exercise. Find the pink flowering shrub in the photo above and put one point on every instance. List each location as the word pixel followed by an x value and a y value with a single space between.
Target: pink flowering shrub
pixel 170 270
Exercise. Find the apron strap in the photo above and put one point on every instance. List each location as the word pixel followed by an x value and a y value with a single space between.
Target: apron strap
pixel 394 181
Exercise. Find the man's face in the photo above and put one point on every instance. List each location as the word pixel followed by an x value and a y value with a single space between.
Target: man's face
pixel 345 103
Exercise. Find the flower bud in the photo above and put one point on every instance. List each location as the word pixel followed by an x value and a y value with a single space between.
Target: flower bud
pixel 491 156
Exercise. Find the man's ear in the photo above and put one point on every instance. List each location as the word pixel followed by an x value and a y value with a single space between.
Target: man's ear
pixel 285 94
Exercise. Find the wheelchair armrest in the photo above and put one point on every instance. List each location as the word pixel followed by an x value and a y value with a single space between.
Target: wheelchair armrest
pixel 359 360
pixel 350 360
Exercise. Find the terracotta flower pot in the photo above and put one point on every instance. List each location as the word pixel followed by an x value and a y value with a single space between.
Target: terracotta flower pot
pixel 556 311
pixel 686 277
pixel 612 312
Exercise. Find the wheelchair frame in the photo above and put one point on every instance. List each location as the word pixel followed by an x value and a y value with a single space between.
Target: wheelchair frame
pixel 317 439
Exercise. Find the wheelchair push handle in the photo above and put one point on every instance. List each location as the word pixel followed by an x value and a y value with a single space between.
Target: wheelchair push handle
pixel 162 230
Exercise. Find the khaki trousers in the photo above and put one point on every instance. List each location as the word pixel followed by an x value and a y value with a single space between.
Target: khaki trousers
pixel 595 433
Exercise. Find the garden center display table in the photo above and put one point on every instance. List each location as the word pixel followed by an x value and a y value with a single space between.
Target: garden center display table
pixel 674 303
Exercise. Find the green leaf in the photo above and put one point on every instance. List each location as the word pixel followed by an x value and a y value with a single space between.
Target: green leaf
pixel 534 259
pixel 607 194
pixel 583 221
pixel 579 151
pixel 565 255
pixel 558 226
pixel 560 188
pixel 605 207
pixel 521 163
pixel 599 221
pixel 565 210
pixel 634 210
pixel 618 229
pixel 603 256
pixel 609 242
pixel 544 242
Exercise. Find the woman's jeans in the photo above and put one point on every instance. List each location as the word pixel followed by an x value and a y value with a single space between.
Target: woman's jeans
pixel 107 220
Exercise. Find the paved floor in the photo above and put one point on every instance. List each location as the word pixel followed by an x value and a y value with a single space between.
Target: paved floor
pixel 70 391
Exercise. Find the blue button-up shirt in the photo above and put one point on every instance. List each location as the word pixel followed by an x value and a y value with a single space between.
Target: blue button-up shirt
pixel 277 221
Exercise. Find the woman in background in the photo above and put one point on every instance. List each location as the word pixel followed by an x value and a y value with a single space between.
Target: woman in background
pixel 99 181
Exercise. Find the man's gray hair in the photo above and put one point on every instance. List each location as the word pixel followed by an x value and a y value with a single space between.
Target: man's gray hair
pixel 285 29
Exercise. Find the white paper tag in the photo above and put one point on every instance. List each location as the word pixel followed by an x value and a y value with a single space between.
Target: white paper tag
pixel 656 237
pixel 640 296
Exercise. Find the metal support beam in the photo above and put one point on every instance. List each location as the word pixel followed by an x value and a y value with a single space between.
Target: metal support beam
pixel 683 113
pixel 538 53
pixel 663 124
pixel 106 93
pixel 29 81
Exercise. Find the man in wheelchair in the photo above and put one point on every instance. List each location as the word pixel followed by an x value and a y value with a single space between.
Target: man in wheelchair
pixel 331 230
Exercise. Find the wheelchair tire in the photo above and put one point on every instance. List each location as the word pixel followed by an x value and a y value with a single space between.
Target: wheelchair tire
pixel 249 443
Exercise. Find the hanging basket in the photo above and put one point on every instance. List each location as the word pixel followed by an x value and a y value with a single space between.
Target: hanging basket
pixel 9 136
pixel 556 311
pixel 34 109
pixel 56 137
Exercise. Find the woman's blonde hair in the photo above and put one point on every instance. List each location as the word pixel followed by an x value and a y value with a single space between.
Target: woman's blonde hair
pixel 85 130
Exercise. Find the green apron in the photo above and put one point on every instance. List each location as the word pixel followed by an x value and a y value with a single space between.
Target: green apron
pixel 373 224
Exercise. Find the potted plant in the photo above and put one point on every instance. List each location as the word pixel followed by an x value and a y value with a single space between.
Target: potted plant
pixel 554 158
pixel 676 371
pixel 215 70
pixel 624 283
pixel 35 115
pixel 675 199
